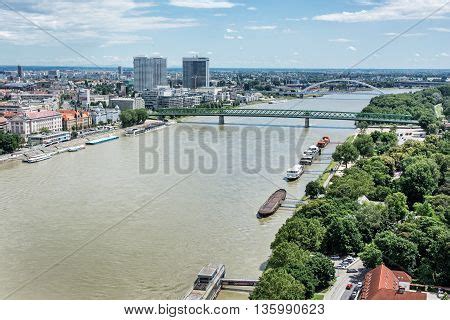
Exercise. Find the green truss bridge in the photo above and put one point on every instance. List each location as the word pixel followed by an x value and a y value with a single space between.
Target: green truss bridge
pixel 277 113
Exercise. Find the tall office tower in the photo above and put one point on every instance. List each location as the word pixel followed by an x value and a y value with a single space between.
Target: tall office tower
pixel 19 71
pixel 119 71
pixel 195 72
pixel 149 73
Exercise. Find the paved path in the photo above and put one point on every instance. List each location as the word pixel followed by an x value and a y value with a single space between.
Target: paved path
pixel 338 291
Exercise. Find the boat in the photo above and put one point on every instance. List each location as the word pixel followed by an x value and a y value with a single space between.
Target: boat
pixel 272 204
pixel 323 142
pixel 310 155
pixel 134 131
pixel 38 158
pixel 102 140
pixel 76 148
pixel 295 172
pixel 208 283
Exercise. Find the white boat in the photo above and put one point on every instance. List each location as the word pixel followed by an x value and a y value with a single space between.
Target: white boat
pixel 310 155
pixel 208 283
pixel 41 157
pixel 295 172
pixel 76 148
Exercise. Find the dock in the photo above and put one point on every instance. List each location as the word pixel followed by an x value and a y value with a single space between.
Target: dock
pixel 102 140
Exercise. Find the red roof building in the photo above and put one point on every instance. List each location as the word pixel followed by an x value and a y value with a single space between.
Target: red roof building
pixel 382 283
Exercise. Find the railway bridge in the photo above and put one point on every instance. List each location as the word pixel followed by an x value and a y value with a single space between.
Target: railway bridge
pixel 221 113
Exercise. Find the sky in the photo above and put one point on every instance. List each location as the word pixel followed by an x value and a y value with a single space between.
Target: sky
pixel 233 33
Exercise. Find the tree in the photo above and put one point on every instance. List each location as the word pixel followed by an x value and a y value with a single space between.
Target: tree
pixel 371 256
pixel 322 268
pixel 354 184
pixel 397 207
pixel 314 189
pixel 287 254
pixel 342 236
pixel 372 219
pixel 364 144
pixel 345 153
pixel 278 284
pixel 141 115
pixel 307 234
pixel 9 142
pixel 420 178
pixel 45 130
pixel 397 251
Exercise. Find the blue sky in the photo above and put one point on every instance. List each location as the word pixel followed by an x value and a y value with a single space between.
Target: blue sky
pixel 233 33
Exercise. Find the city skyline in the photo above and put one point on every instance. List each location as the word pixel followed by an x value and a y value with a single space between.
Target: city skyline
pixel 245 34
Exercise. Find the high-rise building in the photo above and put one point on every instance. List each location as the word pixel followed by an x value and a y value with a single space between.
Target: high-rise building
pixel 119 71
pixel 195 72
pixel 19 71
pixel 149 73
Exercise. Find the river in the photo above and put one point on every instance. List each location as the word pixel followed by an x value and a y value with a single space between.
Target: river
pixel 123 221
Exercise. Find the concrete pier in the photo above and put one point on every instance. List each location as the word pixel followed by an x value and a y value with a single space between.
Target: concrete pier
pixel 306 122
pixel 221 120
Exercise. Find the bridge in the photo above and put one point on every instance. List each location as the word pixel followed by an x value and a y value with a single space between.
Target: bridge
pixel 316 85
pixel 278 113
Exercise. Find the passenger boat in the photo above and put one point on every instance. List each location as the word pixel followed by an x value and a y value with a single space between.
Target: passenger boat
pixel 38 158
pixel 272 204
pixel 76 148
pixel 208 283
pixel 295 172
pixel 324 142
pixel 102 140
pixel 310 155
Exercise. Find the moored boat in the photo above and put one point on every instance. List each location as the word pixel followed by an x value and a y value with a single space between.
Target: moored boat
pixel 38 158
pixel 272 204
pixel 310 155
pixel 295 172
pixel 323 142
pixel 101 140
pixel 208 283
pixel 76 148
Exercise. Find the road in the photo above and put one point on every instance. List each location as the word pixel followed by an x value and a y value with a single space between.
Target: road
pixel 338 291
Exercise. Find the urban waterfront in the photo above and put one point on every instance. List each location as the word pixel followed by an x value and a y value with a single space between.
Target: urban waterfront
pixel 179 221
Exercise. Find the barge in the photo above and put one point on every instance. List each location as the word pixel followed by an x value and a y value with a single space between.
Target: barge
pixel 272 204
pixel 208 283
pixel 310 155
pixel 324 142
pixel 102 140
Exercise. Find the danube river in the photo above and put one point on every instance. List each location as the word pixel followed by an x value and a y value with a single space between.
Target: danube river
pixel 138 217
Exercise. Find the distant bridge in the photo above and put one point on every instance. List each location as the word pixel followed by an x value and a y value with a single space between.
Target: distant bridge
pixel 277 113
pixel 315 85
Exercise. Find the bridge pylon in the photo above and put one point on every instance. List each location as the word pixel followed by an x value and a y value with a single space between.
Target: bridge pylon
pixel 307 122
pixel 221 120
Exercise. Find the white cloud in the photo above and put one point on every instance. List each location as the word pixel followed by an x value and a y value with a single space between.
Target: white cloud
pixel 202 4
pixel 393 34
pixel 105 22
pixel 391 10
pixel 252 8
pixel 296 19
pixel 220 15
pixel 261 27
pixel 352 48
pixel 442 54
pixel 417 54
pixel 439 29
pixel 230 37
pixel 230 30
pixel 340 40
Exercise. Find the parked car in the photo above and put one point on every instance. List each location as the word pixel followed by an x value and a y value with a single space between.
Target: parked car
pixel 349 286
pixel 360 284
pixel 334 257
pixel 352 271
pixel 353 295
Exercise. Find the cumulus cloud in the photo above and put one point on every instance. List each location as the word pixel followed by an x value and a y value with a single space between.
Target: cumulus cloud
pixel 439 29
pixel 391 10
pixel 352 48
pixel 202 4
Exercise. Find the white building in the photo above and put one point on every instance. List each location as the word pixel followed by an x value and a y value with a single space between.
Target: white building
pixel 85 97
pixel 34 121
pixel 127 103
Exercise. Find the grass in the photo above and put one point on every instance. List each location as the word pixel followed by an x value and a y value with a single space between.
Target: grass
pixel 318 296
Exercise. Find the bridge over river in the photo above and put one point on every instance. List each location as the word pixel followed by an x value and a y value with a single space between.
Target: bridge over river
pixel 277 113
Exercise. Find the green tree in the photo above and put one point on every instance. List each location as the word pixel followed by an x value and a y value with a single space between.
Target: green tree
pixel 354 184
pixel 9 142
pixel 342 236
pixel 285 254
pixel 322 268
pixel 305 233
pixel 141 115
pixel 371 256
pixel 397 207
pixel 372 219
pixel 314 189
pixel 278 284
pixel 420 178
pixel 345 153
pixel 364 144
pixel 397 251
